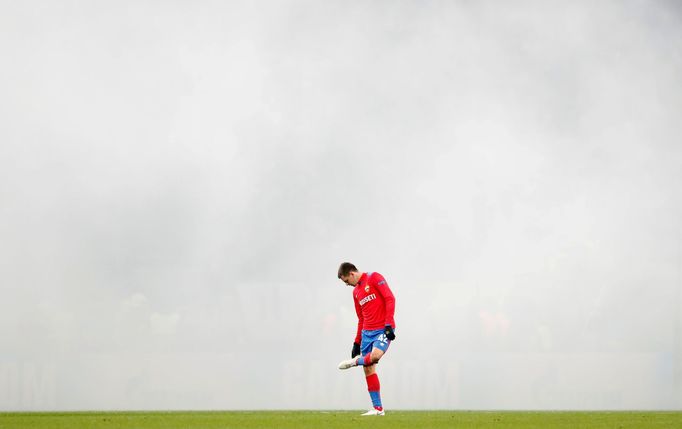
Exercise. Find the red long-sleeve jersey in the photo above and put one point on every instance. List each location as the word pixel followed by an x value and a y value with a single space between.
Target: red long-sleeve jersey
pixel 374 303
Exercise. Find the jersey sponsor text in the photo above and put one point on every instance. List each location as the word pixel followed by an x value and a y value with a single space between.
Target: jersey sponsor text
pixel 366 299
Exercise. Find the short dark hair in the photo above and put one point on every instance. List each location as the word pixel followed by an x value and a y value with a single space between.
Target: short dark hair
pixel 346 268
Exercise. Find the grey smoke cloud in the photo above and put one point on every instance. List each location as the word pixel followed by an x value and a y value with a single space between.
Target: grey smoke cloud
pixel 180 182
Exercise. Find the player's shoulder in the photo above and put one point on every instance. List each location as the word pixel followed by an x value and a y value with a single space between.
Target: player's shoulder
pixel 375 278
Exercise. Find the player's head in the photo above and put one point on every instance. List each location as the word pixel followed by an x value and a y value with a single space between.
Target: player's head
pixel 349 274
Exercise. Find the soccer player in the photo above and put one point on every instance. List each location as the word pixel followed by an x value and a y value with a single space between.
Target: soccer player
pixel 374 305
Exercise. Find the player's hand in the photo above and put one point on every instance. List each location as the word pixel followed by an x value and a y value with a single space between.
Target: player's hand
pixel 388 331
pixel 356 350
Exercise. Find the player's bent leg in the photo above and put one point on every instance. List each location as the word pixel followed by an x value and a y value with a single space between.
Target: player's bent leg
pixel 370 358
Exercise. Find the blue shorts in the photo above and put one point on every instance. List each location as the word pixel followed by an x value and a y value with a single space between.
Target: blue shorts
pixel 375 338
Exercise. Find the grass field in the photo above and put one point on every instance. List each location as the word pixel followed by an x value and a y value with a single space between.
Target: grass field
pixel 341 419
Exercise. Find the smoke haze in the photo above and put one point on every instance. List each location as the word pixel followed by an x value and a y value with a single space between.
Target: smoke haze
pixel 180 180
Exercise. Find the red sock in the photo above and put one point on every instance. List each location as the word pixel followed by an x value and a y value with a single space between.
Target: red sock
pixel 373 384
pixel 367 360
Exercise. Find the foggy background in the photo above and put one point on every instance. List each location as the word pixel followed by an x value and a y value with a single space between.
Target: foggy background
pixel 179 182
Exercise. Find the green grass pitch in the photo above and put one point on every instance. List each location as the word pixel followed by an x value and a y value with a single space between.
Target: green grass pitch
pixel 341 419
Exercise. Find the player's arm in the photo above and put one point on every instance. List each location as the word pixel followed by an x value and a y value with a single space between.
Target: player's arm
pixel 358 334
pixel 389 302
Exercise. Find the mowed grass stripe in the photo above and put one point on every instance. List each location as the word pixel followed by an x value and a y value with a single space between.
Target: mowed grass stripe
pixel 341 419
